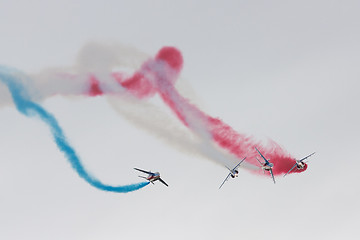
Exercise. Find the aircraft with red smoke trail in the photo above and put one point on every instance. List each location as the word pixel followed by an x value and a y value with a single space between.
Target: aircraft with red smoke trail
pixel 152 177
pixel 299 164
pixel 233 172
pixel 266 166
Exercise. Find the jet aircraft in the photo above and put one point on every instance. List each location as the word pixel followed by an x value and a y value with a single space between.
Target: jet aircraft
pixel 266 166
pixel 233 172
pixel 152 177
pixel 300 164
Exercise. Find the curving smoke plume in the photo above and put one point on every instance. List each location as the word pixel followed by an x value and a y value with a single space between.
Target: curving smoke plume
pixel 108 70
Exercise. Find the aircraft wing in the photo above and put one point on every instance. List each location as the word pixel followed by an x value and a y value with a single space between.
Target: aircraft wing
pixel 236 167
pixel 225 180
pixel 307 157
pixel 143 171
pixel 163 182
pixel 262 155
pixel 272 175
pixel 290 169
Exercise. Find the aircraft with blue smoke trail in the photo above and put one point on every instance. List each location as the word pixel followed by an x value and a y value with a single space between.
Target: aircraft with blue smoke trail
pixel 233 172
pixel 266 166
pixel 152 176
pixel 300 164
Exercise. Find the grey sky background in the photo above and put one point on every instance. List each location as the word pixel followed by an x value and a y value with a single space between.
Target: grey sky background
pixel 285 70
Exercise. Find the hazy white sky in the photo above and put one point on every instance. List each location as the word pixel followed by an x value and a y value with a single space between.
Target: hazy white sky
pixel 287 70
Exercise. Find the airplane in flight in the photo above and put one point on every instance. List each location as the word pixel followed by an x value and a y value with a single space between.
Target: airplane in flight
pixel 300 164
pixel 152 177
pixel 233 172
pixel 266 166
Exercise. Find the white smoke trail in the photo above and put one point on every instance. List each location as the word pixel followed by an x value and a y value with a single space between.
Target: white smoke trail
pixel 152 119
pixel 96 59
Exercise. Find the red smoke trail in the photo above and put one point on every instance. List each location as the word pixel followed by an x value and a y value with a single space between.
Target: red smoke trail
pixel 158 75
pixel 94 87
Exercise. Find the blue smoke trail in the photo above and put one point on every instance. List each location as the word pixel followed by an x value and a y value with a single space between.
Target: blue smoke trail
pixel 24 105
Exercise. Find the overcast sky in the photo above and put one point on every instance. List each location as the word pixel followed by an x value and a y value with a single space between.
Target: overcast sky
pixel 285 70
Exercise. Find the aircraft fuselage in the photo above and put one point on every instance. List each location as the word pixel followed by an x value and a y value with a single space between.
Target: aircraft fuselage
pixel 267 167
pixel 234 173
pixel 300 165
pixel 153 177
